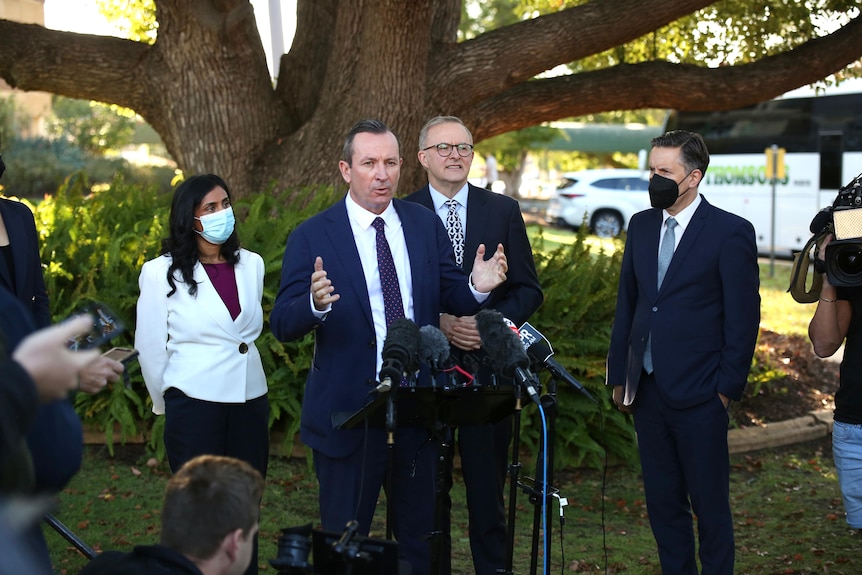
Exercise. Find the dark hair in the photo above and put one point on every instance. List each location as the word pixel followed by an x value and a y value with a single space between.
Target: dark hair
pixel 364 127
pixel 182 243
pixel 693 153
pixel 208 498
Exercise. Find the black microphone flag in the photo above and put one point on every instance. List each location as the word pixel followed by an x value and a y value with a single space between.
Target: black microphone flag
pixel 539 349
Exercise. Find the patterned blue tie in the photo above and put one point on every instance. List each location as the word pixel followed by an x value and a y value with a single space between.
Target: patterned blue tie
pixel 665 254
pixel 392 305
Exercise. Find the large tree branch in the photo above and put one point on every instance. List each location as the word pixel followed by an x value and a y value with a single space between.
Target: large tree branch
pixel 473 69
pixel 666 85
pixel 35 58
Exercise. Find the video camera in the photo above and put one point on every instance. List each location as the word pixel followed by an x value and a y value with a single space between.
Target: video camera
pixel 843 263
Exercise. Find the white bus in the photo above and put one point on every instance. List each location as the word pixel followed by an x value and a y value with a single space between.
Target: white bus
pixel 822 136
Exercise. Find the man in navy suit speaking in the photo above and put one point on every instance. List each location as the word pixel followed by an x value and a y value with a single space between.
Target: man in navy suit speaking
pixel 686 322
pixel 339 273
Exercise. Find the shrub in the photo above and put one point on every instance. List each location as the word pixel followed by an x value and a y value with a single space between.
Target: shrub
pixel 580 287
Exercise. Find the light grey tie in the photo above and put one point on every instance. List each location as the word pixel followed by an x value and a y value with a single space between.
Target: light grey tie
pixel 456 232
pixel 665 254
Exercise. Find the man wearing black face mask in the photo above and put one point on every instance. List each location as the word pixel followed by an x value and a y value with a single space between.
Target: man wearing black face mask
pixel 686 322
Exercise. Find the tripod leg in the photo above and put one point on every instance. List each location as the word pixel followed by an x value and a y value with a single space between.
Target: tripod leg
pixel 514 472
pixel 441 544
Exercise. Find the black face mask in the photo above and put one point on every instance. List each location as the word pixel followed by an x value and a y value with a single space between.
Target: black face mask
pixel 663 192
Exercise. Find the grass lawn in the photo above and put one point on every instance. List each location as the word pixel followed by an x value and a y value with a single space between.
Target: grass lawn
pixel 787 505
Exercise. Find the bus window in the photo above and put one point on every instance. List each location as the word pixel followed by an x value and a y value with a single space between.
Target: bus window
pixel 830 161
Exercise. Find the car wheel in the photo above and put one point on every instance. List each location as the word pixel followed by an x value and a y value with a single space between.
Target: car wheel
pixel 607 224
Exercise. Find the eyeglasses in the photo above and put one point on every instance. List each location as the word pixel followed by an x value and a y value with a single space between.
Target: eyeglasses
pixel 445 150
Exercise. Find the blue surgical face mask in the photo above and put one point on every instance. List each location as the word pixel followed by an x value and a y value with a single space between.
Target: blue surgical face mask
pixel 217 227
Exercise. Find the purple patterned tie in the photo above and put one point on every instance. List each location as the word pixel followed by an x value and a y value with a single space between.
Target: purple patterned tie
pixel 392 305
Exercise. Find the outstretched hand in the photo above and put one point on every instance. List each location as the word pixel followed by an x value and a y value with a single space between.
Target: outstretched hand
pixel 488 274
pixel 322 290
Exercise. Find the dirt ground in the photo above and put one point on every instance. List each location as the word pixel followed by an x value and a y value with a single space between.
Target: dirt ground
pixel 808 382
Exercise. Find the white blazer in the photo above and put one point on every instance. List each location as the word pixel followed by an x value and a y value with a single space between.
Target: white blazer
pixel 191 343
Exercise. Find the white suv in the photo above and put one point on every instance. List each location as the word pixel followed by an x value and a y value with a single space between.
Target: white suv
pixel 605 199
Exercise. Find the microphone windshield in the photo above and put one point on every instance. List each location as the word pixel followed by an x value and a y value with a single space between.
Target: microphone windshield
pixel 433 346
pixel 402 344
pixel 501 343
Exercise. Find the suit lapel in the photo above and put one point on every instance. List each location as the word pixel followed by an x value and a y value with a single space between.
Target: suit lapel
pixel 340 234
pixel 647 252
pixel 416 253
pixel 423 197
pixel 477 219
pixel 688 241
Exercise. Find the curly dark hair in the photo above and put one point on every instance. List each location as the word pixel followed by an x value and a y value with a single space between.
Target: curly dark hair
pixel 182 243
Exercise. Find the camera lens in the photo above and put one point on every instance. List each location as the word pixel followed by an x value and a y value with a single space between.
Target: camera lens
pixel 849 261
pixel 844 262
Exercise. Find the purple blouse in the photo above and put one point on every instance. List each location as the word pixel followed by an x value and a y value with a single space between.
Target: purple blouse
pixel 223 277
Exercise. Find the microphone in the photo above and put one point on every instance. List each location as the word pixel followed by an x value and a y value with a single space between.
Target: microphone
pixel 400 351
pixel 433 347
pixel 505 350
pixel 539 349
pixel 435 351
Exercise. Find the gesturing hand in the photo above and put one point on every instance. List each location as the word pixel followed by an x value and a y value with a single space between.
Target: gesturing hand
pixel 488 274
pixel 321 287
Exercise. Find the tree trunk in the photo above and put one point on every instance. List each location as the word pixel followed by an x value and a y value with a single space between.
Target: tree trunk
pixel 205 88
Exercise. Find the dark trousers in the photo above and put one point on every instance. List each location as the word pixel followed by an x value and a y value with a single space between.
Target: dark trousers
pixel 686 467
pixel 350 486
pixel 195 427
pixel 484 451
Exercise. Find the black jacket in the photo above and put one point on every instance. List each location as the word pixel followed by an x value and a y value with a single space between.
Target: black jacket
pixel 142 560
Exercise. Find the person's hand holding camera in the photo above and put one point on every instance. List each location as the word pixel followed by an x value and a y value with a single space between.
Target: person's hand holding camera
pixel 828 293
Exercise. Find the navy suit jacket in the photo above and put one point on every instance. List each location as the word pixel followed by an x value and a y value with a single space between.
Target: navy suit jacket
pixel 29 286
pixel 345 353
pixel 705 318
pixel 496 219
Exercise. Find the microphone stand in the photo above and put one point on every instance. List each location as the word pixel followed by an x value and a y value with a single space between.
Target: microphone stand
pixel 441 542
pixel 514 472
pixel 540 491
pixel 390 451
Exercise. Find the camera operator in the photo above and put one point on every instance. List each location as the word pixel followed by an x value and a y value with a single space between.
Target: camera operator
pixel 838 317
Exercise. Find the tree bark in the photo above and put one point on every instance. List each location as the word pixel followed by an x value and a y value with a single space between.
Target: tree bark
pixel 205 88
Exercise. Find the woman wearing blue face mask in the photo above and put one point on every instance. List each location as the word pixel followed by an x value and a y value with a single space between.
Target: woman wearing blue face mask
pixel 199 313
